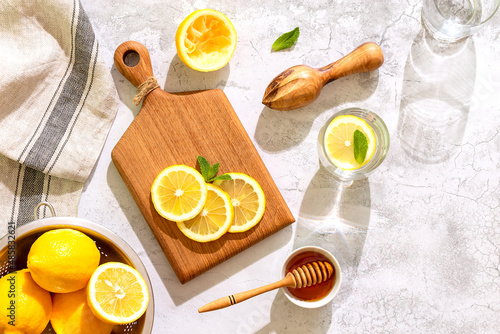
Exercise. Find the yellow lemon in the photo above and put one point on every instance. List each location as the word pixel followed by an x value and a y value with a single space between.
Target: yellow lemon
pixel 179 193
pixel 63 260
pixel 247 198
pixel 214 220
pixel 117 293
pixel 339 141
pixel 72 315
pixel 26 307
pixel 205 40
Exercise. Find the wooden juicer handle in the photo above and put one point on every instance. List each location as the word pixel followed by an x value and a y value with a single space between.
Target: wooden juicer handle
pixel 365 58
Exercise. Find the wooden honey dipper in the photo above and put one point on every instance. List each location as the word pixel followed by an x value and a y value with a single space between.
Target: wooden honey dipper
pixel 306 275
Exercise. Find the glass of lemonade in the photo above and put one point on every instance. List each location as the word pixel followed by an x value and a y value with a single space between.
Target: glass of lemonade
pixel 352 143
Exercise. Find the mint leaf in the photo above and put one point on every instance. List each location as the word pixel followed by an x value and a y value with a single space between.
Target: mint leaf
pixel 213 171
pixel 221 177
pixel 286 40
pixel 204 167
pixel 209 172
pixel 360 146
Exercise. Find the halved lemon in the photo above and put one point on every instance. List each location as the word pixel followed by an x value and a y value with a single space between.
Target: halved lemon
pixel 339 141
pixel 179 193
pixel 117 293
pixel 205 40
pixel 214 220
pixel 248 201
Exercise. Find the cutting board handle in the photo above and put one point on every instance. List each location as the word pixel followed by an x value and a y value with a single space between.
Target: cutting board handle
pixel 135 74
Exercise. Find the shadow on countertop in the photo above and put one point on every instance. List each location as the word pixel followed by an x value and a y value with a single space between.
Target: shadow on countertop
pixel 334 216
pixel 181 78
pixel 437 90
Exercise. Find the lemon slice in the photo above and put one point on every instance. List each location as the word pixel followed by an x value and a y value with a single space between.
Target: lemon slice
pixel 247 198
pixel 117 293
pixel 179 193
pixel 214 220
pixel 339 145
pixel 205 40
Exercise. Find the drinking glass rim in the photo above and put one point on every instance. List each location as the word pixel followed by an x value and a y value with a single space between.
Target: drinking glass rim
pixel 497 4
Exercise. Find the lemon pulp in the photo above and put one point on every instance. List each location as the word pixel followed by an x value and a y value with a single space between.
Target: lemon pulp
pixel 117 294
pixel 179 193
pixel 247 198
pixel 214 220
pixel 205 40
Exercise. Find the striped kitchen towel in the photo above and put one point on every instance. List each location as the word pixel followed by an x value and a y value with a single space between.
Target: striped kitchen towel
pixel 57 104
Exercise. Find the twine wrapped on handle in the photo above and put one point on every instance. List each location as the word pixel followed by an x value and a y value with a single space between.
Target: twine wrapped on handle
pixel 144 89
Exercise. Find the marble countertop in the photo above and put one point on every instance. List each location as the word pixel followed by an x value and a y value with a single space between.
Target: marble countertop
pixel 418 241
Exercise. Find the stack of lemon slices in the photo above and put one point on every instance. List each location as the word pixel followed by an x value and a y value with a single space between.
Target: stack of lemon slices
pixel 204 211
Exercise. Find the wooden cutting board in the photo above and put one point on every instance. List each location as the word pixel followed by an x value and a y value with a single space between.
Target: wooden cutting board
pixel 173 129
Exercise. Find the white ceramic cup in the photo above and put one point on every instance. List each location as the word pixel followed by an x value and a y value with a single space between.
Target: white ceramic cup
pixel 333 292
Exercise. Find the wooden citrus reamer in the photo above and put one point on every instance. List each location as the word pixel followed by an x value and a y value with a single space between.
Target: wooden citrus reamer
pixel 306 275
pixel 300 85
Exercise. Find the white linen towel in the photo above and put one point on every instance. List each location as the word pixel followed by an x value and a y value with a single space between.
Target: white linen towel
pixel 57 104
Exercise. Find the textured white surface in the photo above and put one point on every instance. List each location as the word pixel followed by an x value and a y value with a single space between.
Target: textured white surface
pixel 418 241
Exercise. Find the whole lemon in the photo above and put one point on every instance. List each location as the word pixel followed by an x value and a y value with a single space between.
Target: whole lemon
pixel 63 260
pixel 25 306
pixel 72 315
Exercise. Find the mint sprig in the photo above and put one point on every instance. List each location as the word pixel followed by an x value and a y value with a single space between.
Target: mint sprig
pixel 360 146
pixel 209 172
pixel 286 40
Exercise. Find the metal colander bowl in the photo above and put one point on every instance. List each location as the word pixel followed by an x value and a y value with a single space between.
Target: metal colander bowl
pixel 112 248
